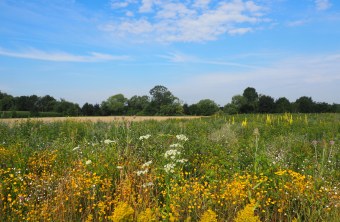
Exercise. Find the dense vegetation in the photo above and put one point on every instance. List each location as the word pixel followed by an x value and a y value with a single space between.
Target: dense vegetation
pixel 251 167
pixel 161 102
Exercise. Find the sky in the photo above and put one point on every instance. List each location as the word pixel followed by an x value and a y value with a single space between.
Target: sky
pixel 88 50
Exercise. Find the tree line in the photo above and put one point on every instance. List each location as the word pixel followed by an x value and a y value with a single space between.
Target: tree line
pixel 160 102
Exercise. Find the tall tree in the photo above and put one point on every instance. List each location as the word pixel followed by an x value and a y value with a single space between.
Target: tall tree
pixel 252 99
pixel 282 105
pixel 163 102
pixel 87 109
pixel 46 103
pixel 207 107
pixel 266 104
pixel 237 102
pixel 114 105
pixel 305 104
pixel 136 105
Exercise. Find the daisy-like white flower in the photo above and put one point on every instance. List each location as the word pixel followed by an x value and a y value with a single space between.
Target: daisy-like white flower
pixel 182 137
pixel 88 162
pixel 149 184
pixel 171 154
pixel 182 161
pixel 176 145
pixel 142 172
pixel 169 168
pixel 145 137
pixel 109 141
pixel 147 164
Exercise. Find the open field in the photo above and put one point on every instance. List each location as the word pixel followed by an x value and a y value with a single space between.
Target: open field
pixel 98 118
pixel 279 167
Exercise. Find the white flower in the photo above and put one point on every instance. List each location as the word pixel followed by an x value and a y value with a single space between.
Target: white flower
pixel 149 184
pixel 182 161
pixel 169 167
pixel 109 141
pixel 76 148
pixel 147 164
pixel 147 136
pixel 88 162
pixel 120 167
pixel 176 145
pixel 142 172
pixel 171 154
pixel 182 137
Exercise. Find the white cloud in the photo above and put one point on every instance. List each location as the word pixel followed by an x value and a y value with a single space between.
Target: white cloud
pixel 297 23
pixel 201 3
pixel 322 4
pixel 117 4
pixel 188 21
pixel 60 56
pixel 146 6
pixel 177 57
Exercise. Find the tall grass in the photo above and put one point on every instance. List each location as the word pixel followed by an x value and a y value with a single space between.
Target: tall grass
pixel 224 168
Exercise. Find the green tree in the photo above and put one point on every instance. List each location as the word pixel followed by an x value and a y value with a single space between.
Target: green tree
pixel 251 100
pixel 282 105
pixel 114 105
pixel 46 103
pixel 87 109
pixel 67 108
pixel 305 104
pixel 266 104
pixel 163 102
pixel 237 102
pixel 207 107
pixel 137 105
pixel 7 102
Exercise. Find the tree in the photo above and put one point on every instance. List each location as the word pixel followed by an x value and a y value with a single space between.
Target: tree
pixel 206 107
pixel 173 109
pixel 163 102
pixel 304 104
pixel 114 105
pixel 282 105
pixel 88 109
pixel 46 103
pixel 237 102
pixel 161 95
pixel 136 105
pixel 251 97
pixel 266 104
pixel 67 108
pixel 7 102
pixel 323 107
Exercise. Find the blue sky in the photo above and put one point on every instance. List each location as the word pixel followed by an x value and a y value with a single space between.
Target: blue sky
pixel 85 51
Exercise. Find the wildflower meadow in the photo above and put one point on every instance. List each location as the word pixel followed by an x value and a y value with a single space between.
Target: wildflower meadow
pixel 255 167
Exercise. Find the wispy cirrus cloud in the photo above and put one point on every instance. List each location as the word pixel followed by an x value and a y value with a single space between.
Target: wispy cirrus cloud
pixel 177 57
pixel 313 75
pixel 187 21
pixel 36 54
pixel 322 4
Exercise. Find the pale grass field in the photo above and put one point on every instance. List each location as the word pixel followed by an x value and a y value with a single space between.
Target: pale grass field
pixel 98 118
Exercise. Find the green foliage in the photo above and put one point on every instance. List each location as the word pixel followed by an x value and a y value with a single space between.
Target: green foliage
pixel 286 165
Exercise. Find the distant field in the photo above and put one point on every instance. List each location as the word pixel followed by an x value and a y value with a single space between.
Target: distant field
pixel 99 118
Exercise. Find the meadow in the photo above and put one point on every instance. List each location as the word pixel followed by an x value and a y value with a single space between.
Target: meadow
pixel 282 167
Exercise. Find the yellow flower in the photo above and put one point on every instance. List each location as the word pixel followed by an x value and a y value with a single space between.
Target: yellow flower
pixel 122 212
pixel 146 216
pixel 247 214
pixel 209 216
